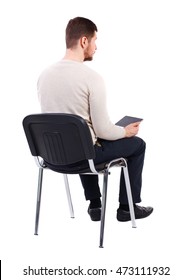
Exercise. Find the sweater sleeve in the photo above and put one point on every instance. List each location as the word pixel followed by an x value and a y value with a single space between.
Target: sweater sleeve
pixel 102 125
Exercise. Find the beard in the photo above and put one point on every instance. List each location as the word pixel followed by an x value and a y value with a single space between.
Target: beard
pixel 88 58
pixel 87 55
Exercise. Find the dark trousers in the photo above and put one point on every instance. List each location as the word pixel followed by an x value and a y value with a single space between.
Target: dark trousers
pixel 132 149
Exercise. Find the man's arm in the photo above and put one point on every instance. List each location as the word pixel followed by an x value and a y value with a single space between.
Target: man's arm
pixel 101 122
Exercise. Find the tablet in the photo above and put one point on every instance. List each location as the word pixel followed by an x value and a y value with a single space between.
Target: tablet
pixel 127 120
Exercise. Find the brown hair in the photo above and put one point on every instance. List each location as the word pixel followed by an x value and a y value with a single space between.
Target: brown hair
pixel 77 28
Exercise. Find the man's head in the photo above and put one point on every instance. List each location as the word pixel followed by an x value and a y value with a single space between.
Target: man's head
pixel 81 32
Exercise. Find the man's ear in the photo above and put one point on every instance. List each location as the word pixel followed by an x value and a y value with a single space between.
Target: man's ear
pixel 84 42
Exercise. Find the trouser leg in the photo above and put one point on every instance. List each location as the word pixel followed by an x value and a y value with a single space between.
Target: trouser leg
pixel 132 149
pixel 135 168
pixel 91 186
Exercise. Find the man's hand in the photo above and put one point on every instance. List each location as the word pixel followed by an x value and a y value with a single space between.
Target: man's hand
pixel 132 129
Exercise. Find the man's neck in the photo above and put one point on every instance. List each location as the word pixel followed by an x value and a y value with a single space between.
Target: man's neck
pixel 74 55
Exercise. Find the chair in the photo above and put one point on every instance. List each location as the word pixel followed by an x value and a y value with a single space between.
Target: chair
pixel 63 143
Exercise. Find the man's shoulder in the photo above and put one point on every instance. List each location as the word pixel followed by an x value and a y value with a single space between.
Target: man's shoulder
pixel 92 72
pixel 50 67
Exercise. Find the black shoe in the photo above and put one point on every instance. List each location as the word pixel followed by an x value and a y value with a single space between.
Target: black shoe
pixel 95 214
pixel 140 213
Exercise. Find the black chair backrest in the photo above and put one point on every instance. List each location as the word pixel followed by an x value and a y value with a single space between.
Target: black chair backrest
pixel 60 139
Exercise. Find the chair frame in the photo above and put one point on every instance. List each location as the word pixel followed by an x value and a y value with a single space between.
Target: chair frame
pixel 120 162
pixel 93 169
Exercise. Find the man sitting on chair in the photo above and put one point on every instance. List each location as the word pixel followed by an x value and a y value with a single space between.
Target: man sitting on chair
pixel 70 86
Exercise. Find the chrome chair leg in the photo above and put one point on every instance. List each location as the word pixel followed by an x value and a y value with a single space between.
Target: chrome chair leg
pixel 39 191
pixel 103 209
pixel 129 196
pixel 69 196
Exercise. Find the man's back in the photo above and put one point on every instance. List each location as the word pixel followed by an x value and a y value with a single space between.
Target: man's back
pixel 72 87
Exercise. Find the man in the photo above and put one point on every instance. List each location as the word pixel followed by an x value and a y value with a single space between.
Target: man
pixel 69 86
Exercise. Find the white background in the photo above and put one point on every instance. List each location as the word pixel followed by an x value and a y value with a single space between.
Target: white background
pixel 145 58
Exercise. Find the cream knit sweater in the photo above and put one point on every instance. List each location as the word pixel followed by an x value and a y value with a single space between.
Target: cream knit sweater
pixel 72 87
